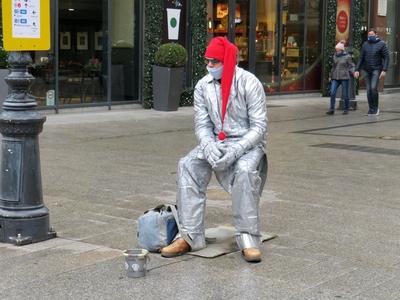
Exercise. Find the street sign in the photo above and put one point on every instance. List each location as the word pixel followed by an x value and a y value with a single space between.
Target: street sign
pixel 26 25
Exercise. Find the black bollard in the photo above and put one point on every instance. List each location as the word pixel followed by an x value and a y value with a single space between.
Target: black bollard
pixel 23 217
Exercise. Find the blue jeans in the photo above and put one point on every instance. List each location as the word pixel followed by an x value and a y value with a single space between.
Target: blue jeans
pixel 345 90
pixel 371 83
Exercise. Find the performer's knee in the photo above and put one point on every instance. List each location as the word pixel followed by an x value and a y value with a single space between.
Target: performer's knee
pixel 243 167
pixel 183 164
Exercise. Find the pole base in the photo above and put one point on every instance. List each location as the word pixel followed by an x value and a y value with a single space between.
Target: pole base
pixel 22 231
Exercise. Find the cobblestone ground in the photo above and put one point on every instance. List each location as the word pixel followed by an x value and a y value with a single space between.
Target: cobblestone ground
pixel 332 197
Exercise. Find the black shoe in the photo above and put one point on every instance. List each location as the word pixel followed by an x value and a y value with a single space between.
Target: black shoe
pixel 330 112
pixel 369 113
pixel 345 112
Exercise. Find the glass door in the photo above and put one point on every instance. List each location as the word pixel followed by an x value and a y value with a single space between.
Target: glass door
pixel 241 21
pixel 124 50
pixel 312 48
pixel 82 53
pixel 292 45
pixel 393 42
pixel 231 23
pixel 266 45
pixel 279 41
pixel 218 18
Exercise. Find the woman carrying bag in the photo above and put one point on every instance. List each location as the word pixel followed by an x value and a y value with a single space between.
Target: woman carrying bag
pixel 342 69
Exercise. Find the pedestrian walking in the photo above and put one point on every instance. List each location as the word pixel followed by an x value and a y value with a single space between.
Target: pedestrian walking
pixel 374 60
pixel 230 125
pixel 342 69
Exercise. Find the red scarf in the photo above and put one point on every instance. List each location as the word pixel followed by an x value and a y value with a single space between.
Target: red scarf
pixel 220 48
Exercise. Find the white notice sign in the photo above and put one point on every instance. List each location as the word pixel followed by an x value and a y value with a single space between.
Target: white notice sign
pixel 26 19
pixel 382 8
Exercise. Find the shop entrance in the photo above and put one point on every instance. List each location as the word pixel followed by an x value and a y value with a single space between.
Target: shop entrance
pixel 393 42
pixel 279 41
pixel 230 19
pixel 94 55
pixel 98 54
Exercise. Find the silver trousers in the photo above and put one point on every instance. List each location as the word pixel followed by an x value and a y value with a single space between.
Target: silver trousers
pixel 244 180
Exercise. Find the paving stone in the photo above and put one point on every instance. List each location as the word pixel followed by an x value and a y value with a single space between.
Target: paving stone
pixel 336 210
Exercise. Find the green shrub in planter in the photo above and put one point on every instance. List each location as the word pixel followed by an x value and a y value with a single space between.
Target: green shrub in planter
pixel 168 71
pixel 171 55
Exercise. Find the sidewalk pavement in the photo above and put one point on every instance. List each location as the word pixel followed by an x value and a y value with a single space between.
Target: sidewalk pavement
pixel 332 196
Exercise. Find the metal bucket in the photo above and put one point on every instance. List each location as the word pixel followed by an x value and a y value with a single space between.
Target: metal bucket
pixel 136 262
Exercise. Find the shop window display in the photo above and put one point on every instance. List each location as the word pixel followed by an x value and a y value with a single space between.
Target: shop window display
pixel 218 25
pixel 266 52
pixel 292 45
pixel 313 54
pixel 287 46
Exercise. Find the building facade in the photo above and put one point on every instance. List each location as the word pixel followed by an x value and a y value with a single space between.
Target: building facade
pixel 97 48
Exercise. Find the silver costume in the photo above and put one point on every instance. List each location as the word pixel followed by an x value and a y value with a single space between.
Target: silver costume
pixel 245 126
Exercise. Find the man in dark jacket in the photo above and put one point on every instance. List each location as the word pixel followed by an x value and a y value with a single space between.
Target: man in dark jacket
pixel 374 60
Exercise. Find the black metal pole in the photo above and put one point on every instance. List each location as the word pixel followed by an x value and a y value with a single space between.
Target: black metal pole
pixel 23 217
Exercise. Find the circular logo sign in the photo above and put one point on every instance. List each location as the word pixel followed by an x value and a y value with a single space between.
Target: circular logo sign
pixel 342 21
pixel 173 22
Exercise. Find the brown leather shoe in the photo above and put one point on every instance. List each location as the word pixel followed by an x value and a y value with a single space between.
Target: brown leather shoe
pixel 251 254
pixel 179 247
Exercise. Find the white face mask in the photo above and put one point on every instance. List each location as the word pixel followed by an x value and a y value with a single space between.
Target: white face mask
pixel 216 72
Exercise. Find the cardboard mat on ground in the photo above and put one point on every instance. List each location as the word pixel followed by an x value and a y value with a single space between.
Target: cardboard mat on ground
pixel 221 240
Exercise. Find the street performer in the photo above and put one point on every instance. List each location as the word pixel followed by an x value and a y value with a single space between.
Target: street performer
pixel 231 126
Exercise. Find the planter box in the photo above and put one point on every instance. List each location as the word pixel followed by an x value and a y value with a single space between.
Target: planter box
pixel 167 87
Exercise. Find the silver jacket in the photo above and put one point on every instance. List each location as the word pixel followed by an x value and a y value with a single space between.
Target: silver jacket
pixel 246 115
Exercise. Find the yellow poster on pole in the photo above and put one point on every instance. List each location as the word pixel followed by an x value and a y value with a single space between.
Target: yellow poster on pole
pixel 26 25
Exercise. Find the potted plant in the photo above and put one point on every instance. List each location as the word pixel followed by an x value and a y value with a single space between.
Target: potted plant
pixel 168 70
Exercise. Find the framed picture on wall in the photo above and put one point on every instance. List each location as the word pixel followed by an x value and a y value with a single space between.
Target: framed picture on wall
pixel 98 40
pixel 65 40
pixel 82 40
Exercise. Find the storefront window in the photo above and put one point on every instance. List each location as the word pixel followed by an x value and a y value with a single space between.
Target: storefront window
pixel 218 21
pixel 287 59
pixel 393 43
pixel 42 68
pixel 313 63
pixel 292 45
pixel 124 50
pixel 82 52
pixel 242 32
pixel 218 25
pixel 266 52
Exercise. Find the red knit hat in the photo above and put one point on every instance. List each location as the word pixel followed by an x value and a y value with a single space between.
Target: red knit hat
pixel 220 48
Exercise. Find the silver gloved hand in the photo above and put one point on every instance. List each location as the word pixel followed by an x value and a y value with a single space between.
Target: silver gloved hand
pixel 231 154
pixel 212 152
